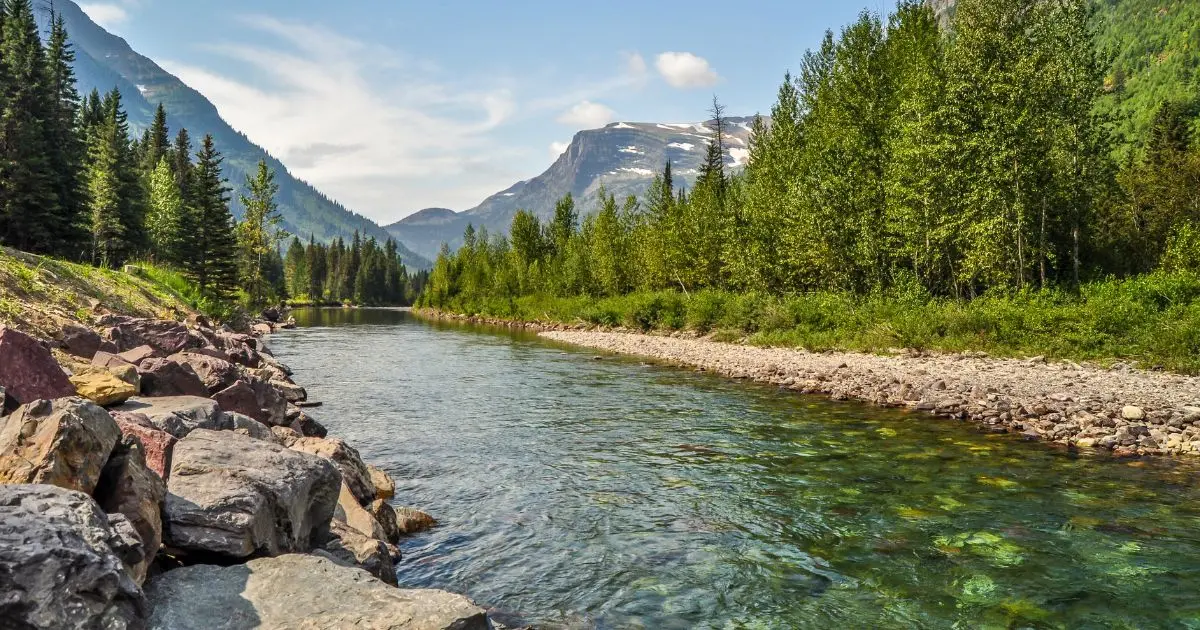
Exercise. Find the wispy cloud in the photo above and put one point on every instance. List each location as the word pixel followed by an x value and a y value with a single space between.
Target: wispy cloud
pixel 685 70
pixel 384 147
pixel 107 14
pixel 558 148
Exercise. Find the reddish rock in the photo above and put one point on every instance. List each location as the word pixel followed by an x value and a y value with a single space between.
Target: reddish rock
pixel 28 371
pixel 156 444
pixel 216 374
pixel 137 355
pixel 164 377
pixel 244 355
pixel 165 337
pixel 79 340
pixel 209 351
pixel 240 398
pixel 107 359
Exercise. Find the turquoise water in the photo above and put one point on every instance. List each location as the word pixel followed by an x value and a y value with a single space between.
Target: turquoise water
pixel 613 494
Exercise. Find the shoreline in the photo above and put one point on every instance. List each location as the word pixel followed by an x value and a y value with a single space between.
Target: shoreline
pixel 1121 410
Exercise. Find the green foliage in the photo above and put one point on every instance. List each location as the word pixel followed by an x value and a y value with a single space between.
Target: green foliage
pixel 259 235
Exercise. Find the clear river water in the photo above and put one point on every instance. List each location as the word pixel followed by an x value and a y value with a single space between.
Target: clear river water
pixel 584 493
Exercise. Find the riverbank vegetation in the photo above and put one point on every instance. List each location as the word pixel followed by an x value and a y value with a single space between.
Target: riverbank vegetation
pixel 955 188
pixel 76 184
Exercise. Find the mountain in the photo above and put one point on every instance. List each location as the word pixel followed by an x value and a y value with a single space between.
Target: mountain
pixel 623 157
pixel 104 60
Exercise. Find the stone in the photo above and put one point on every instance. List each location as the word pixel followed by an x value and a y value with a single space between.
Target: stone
pixel 79 340
pixel 215 372
pixel 164 377
pixel 290 391
pixel 61 443
pixel 249 426
pixel 307 426
pixel 385 515
pixel 58 565
pixel 300 591
pixel 156 444
pixel 178 415
pixel 256 398
pixel 353 548
pixel 28 371
pixel 164 337
pixel 262 329
pixel 231 496
pixel 244 355
pixel 385 486
pixel 346 458
pixel 108 360
pixel 103 388
pixel 413 521
pixel 285 435
pixel 127 486
pixel 136 355
pixel 1133 414
pixel 356 516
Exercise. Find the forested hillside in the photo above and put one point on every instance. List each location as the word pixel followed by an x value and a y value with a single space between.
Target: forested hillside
pixel 903 160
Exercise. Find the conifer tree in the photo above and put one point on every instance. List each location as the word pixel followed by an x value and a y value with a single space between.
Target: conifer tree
pixel 104 194
pixel 295 265
pixel 318 269
pixel 156 143
pixel 259 232
pixel 210 255
pixel 165 219
pixel 65 142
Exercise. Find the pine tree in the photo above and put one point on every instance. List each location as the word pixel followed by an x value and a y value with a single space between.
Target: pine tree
pixel 131 191
pixel 318 269
pixel 259 232
pixel 210 256
pixel 65 142
pixel 295 266
pixel 104 193
pixel 28 203
pixel 156 144
pixel 181 165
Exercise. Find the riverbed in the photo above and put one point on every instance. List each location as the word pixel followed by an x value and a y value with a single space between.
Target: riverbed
pixel 609 493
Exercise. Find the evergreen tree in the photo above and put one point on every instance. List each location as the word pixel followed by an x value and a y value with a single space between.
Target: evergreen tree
pixel 165 219
pixel 210 256
pixel 156 143
pixel 65 142
pixel 295 265
pixel 104 193
pixel 318 269
pixel 259 233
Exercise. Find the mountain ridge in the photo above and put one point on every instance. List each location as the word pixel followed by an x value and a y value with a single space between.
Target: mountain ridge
pixel 104 61
pixel 623 157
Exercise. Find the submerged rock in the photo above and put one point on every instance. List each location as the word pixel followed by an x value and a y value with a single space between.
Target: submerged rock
pixel 234 496
pixel 28 371
pixel 300 591
pixel 60 565
pixel 63 443
pixel 413 521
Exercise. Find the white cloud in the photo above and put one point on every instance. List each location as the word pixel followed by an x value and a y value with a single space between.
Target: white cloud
pixel 635 65
pixel 382 133
pixel 685 70
pixel 107 15
pixel 587 115
pixel 558 148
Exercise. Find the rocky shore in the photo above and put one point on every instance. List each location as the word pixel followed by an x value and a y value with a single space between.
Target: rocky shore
pixel 164 474
pixel 1125 411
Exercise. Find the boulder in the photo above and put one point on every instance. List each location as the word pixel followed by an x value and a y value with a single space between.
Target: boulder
pixel 256 398
pixel 385 487
pixel 346 458
pixel 207 351
pixel 109 360
pixel 285 435
pixel 59 563
pixel 156 444
pixel 250 427
pixel 356 516
pixel 244 355
pixel 351 547
pixel 136 355
pixel 216 373
pixel 275 364
pixel 262 329
pixel 290 391
pixel 178 415
pixel 413 521
pixel 79 340
pixel 307 426
pixel 300 591
pixel 62 443
pixel 103 388
pixel 165 337
pixel 232 496
pixel 28 372
pixel 385 515
pixel 128 487
pixel 164 377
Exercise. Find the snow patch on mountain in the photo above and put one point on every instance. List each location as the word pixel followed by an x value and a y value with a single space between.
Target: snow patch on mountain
pixel 685 146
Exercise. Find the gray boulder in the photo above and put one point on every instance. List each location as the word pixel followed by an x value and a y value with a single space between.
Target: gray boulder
pixel 353 548
pixel 59 564
pixel 61 443
pixel 233 496
pixel 79 340
pixel 178 415
pixel 300 591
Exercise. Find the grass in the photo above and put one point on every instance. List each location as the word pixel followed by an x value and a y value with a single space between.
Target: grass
pixel 1152 320
pixel 38 294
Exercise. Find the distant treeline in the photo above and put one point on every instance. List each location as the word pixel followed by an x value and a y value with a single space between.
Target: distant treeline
pixel 903 158
pixel 363 273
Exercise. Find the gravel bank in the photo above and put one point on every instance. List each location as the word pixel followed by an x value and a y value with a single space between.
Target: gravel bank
pixel 1129 412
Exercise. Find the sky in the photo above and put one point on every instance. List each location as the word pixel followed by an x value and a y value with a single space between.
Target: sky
pixel 392 106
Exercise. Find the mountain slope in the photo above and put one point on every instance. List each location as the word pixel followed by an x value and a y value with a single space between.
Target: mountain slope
pixel 105 60
pixel 622 157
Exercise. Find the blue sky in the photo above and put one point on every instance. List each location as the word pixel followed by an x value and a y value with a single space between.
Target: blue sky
pixel 395 106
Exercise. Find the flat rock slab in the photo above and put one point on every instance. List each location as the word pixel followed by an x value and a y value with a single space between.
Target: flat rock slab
pixel 299 591
pixel 178 415
pixel 232 496
pixel 58 567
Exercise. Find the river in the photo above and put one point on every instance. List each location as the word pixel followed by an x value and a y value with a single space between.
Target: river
pixel 586 493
